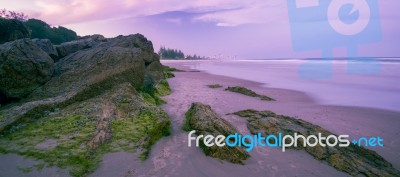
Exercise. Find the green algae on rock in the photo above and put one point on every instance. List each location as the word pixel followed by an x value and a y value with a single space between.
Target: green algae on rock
pixel 23 68
pixel 171 69
pixel 86 130
pixel 205 121
pixel 99 100
pixel 248 92
pixel 91 72
pixel 214 86
pixel 353 159
pixel 168 71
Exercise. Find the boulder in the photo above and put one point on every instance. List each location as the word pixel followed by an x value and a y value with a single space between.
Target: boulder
pixel 153 68
pixel 102 66
pixel 23 68
pixel 86 42
pixel 95 37
pixel 94 97
pixel 205 121
pixel 354 160
pixel 47 47
pixel 11 29
pixel 91 72
pixel 132 41
pixel 155 71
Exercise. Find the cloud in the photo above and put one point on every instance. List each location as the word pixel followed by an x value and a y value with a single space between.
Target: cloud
pixel 222 12
pixel 257 13
pixel 77 11
pixel 177 21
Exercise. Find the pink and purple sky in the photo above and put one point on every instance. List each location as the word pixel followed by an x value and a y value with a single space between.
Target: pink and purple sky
pixel 248 29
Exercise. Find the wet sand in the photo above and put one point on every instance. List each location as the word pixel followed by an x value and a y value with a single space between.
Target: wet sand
pixel 16 165
pixel 340 88
pixel 171 155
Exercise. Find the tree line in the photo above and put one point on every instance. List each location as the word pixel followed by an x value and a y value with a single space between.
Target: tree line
pixel 167 53
pixel 12 22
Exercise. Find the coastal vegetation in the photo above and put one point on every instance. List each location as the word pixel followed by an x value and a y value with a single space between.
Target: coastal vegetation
pixel 167 53
pixel 170 53
pixel 16 25
pixel 57 35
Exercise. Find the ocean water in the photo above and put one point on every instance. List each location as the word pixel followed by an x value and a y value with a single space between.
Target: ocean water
pixel 379 90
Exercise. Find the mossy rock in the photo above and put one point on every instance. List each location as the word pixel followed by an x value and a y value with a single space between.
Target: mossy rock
pixel 353 160
pixel 205 121
pixel 23 68
pixel 86 130
pixel 163 88
pixel 169 75
pixel 70 132
pixel 214 86
pixel 168 72
pixel 171 69
pixel 248 92
pixel 96 102
pixel 87 73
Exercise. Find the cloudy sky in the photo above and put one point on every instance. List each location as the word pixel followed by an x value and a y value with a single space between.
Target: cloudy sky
pixel 248 29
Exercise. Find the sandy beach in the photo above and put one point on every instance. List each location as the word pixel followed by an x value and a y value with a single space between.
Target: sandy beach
pixel 171 155
pixel 130 88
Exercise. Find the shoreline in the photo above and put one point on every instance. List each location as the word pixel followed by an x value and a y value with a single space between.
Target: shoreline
pixel 342 89
pixel 171 156
pixel 339 119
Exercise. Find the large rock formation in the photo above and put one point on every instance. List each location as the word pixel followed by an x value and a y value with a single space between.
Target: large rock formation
pixel 88 73
pixel 47 47
pixel 94 99
pixel 11 30
pixel 354 160
pixel 86 42
pixel 205 121
pixel 23 68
